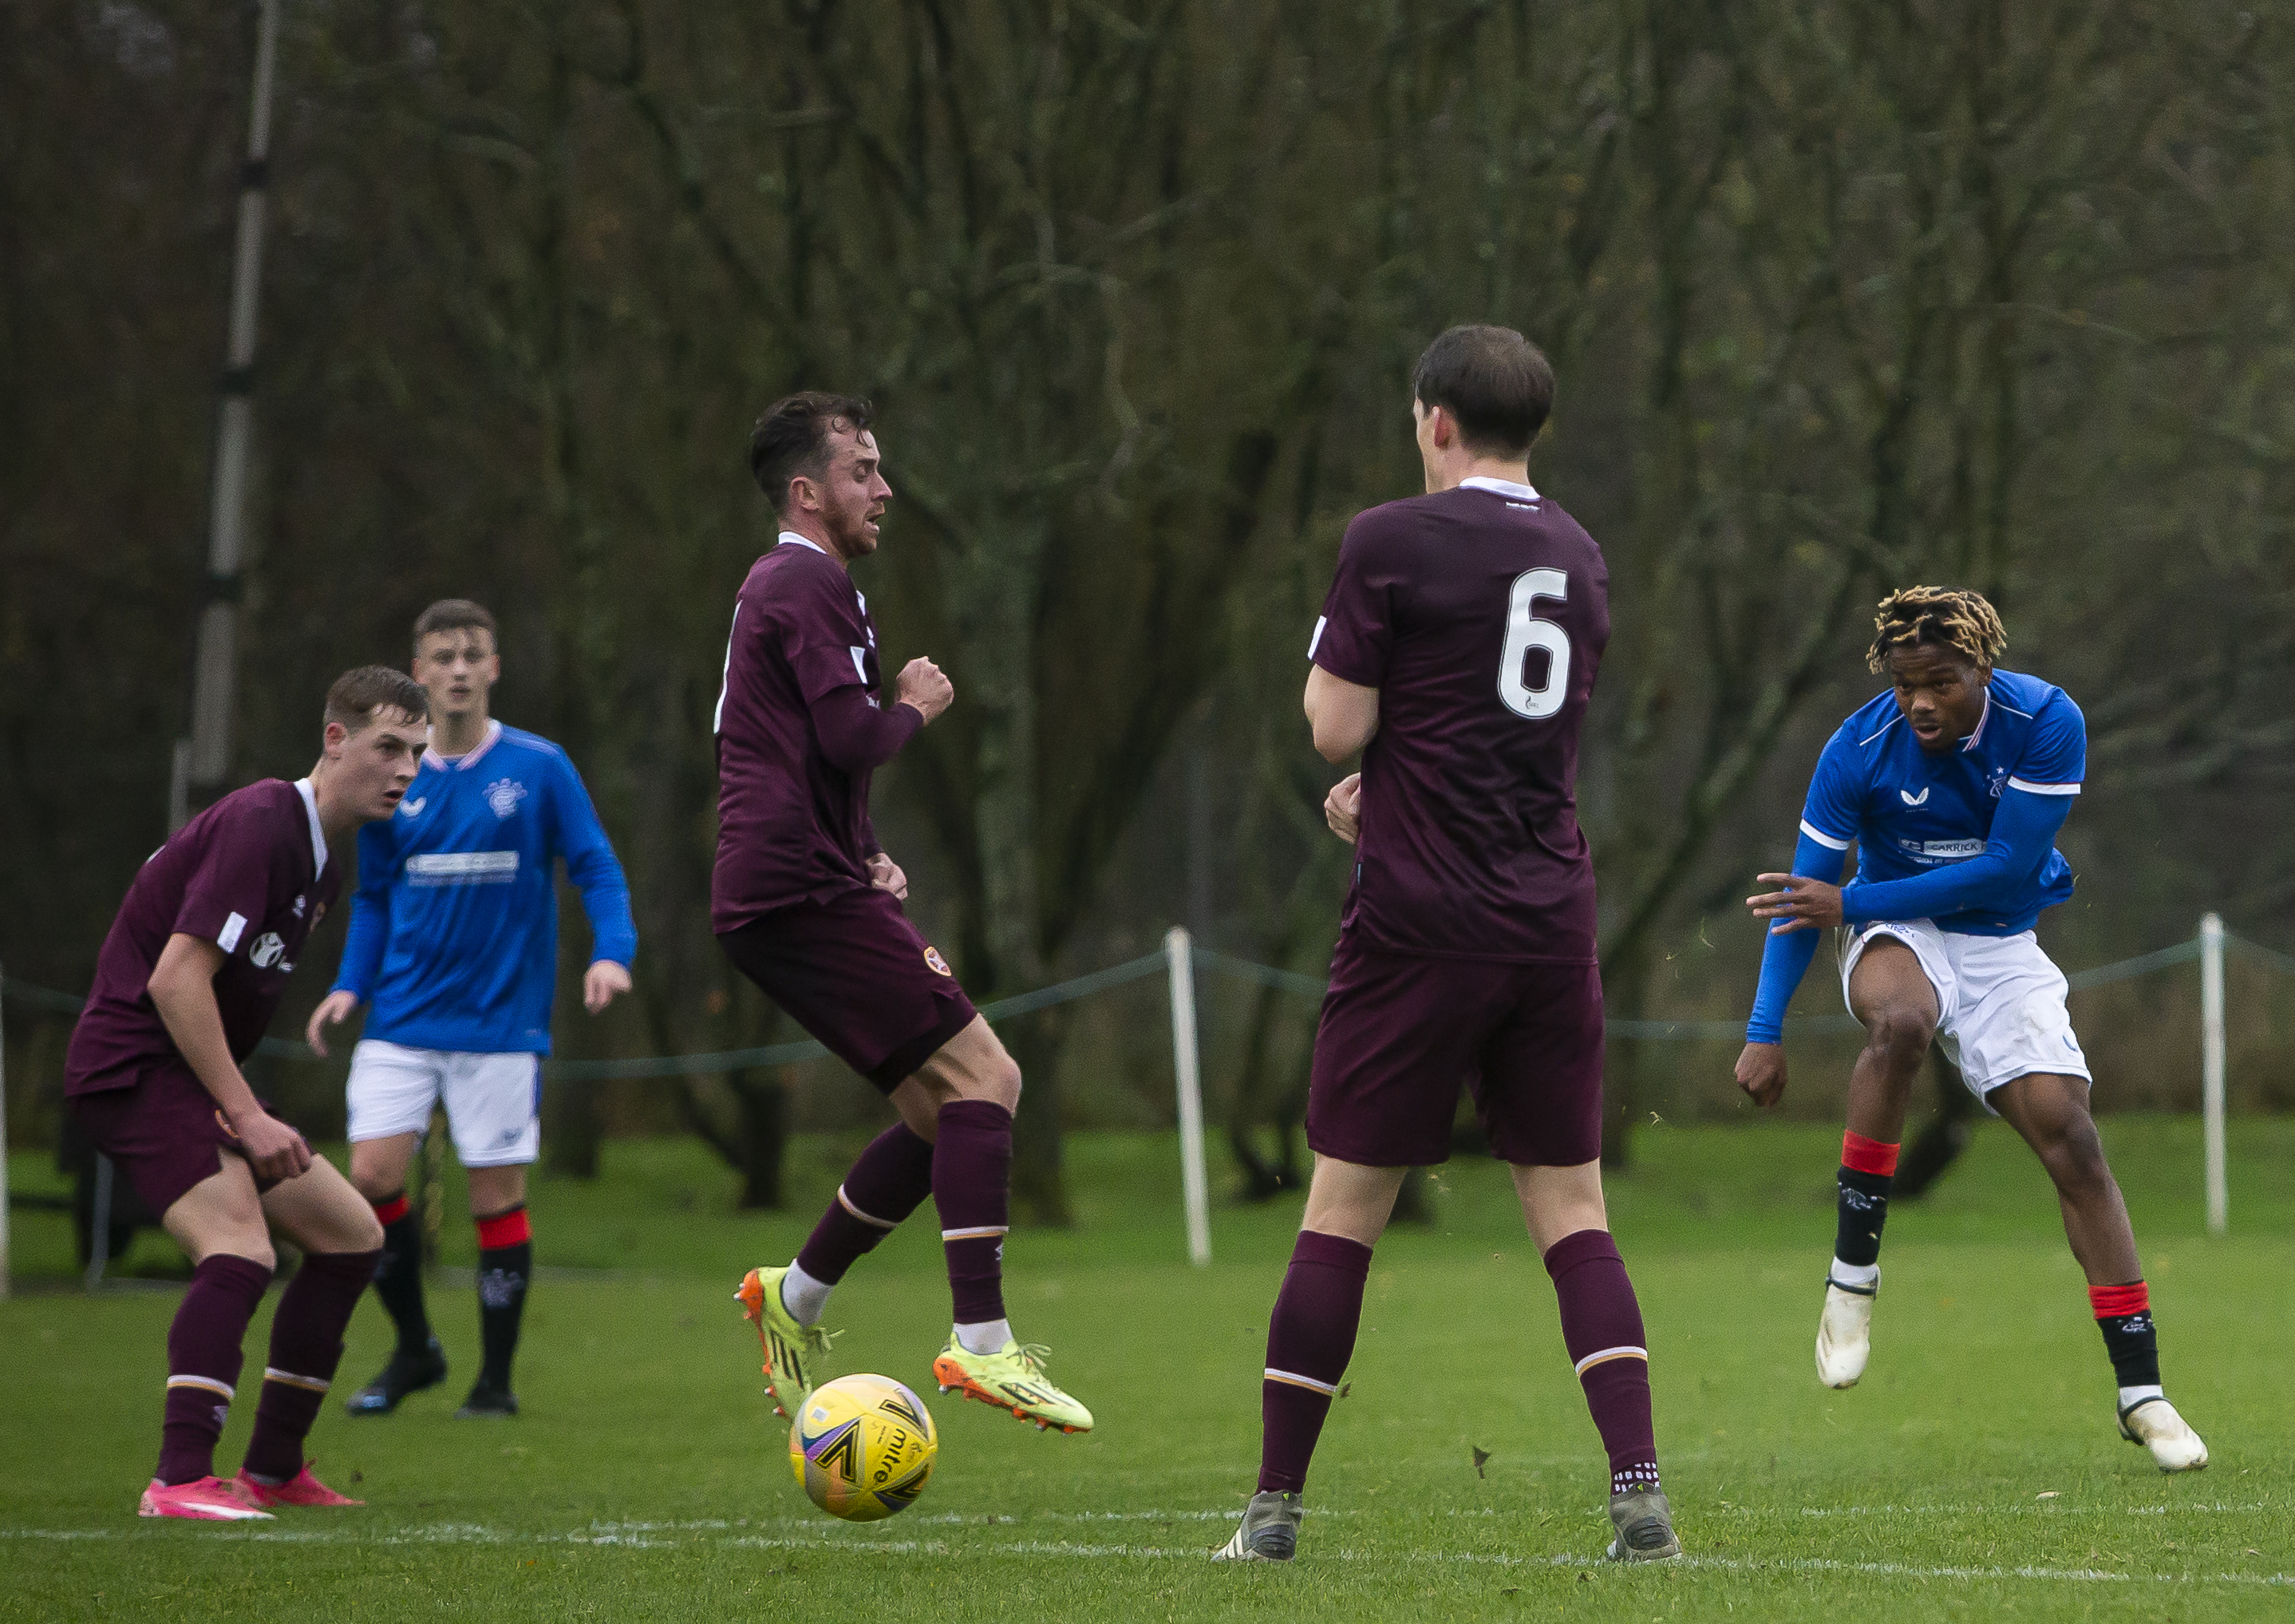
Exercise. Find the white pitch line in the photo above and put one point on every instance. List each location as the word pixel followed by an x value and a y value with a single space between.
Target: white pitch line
pixel 625 1537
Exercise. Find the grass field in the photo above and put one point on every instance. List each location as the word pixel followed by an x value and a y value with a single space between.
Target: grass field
pixel 1974 1474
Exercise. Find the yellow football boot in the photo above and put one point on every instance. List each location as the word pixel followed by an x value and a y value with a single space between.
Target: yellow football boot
pixel 795 1355
pixel 1011 1378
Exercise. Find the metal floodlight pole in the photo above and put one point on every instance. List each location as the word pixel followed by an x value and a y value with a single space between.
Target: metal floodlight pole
pixel 1180 955
pixel 2211 1068
pixel 203 762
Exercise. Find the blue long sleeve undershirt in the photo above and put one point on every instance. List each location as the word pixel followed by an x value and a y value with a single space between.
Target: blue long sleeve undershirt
pixel 1785 955
pixel 2023 833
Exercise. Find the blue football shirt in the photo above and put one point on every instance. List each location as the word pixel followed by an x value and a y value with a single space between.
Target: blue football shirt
pixel 1908 813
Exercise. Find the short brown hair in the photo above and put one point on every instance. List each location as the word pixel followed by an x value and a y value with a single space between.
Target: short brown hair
pixel 1495 382
pixel 358 697
pixel 792 438
pixel 1963 622
pixel 452 614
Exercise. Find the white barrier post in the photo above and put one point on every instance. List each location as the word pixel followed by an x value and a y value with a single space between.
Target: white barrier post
pixel 1180 955
pixel 2211 1066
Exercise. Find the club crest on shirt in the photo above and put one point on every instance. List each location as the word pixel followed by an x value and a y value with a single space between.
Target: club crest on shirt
pixel 938 965
pixel 503 794
pixel 266 950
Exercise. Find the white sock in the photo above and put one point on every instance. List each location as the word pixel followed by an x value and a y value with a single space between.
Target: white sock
pixel 2136 1395
pixel 804 1296
pixel 1855 1274
pixel 985 1337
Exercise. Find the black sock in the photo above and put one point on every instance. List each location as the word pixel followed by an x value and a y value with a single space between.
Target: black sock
pixel 2132 1343
pixel 502 1274
pixel 398 1280
pixel 1863 1210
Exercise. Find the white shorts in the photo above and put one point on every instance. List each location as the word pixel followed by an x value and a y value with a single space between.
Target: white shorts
pixel 2000 1002
pixel 494 1102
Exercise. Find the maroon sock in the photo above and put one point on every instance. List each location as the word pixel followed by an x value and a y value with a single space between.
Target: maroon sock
pixel 203 1358
pixel 307 1344
pixel 972 1186
pixel 1602 1328
pixel 1309 1338
pixel 890 1182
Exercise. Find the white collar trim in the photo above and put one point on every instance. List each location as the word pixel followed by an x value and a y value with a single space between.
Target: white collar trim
pixel 1969 743
pixel 431 758
pixel 1503 487
pixel 304 787
pixel 791 536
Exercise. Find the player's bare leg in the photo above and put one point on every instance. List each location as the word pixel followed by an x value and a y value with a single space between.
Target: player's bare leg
pixel 340 1241
pixel 1310 1336
pixel 1891 994
pixel 965 1093
pixel 378 1170
pixel 1568 1222
pixel 2051 1112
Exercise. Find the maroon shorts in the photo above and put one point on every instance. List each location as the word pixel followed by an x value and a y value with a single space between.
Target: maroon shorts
pixel 1401 1033
pixel 854 973
pixel 164 1133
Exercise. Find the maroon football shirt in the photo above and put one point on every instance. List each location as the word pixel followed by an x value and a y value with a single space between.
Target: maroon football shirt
pixel 1480 615
pixel 249 874
pixel 791 826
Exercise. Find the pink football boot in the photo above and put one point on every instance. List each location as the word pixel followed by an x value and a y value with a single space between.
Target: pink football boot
pixel 208 1499
pixel 301 1490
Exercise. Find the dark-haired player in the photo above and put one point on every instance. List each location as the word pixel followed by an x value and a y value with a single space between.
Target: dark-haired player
pixel 453 937
pixel 1457 651
pixel 807 905
pixel 1952 786
pixel 189 975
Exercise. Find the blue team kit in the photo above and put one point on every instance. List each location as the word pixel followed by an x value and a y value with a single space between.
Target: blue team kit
pixel 454 934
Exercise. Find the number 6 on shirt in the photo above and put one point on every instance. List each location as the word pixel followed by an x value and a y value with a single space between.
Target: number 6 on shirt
pixel 1525 631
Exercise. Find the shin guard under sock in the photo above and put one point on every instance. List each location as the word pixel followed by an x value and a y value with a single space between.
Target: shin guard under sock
pixel 307 1344
pixel 1602 1328
pixel 398 1273
pixel 972 1186
pixel 889 1181
pixel 1310 1336
pixel 1868 1167
pixel 203 1360
pixel 2123 1313
pixel 505 1265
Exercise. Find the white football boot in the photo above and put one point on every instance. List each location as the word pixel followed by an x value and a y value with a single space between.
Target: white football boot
pixel 2154 1424
pixel 1844 1332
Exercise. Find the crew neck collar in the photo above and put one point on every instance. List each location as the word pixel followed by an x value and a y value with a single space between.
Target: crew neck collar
pixel 310 794
pixel 1503 487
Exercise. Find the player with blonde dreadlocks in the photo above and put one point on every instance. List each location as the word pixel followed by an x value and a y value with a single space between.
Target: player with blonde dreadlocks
pixel 1951 786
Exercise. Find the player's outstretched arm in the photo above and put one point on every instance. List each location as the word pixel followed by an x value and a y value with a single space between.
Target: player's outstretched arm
pixel 183 991
pixel 597 874
pixel 2024 831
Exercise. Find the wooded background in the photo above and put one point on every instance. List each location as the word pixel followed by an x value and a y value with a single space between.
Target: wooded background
pixel 1841 296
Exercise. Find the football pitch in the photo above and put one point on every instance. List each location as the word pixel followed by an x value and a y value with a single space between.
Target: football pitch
pixel 1975 1472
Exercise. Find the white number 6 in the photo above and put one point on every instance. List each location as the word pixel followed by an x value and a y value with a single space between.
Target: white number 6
pixel 1525 631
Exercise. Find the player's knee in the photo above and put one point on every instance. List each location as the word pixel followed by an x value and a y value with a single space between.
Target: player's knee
pixel 1899 1033
pixel 361 1230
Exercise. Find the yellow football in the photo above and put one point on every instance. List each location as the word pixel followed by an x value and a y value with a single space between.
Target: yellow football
pixel 864 1447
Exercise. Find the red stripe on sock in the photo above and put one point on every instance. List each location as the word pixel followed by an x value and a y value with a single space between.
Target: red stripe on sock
pixel 1864 1156
pixel 390 1211
pixel 2111 1301
pixel 504 1229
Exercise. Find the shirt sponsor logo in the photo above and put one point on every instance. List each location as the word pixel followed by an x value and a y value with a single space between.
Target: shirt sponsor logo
pixel 413 809
pixel 503 794
pixel 938 965
pixel 462 869
pixel 1943 851
pixel 266 950
pixel 1910 799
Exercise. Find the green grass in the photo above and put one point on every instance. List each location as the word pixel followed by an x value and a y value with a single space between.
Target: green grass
pixel 1974 1474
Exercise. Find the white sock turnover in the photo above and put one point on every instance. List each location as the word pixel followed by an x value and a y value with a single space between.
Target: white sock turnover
pixel 804 1296
pixel 985 1337
pixel 1855 1274
pixel 2136 1395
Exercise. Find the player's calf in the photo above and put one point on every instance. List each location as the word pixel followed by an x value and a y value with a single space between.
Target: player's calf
pixel 1844 1330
